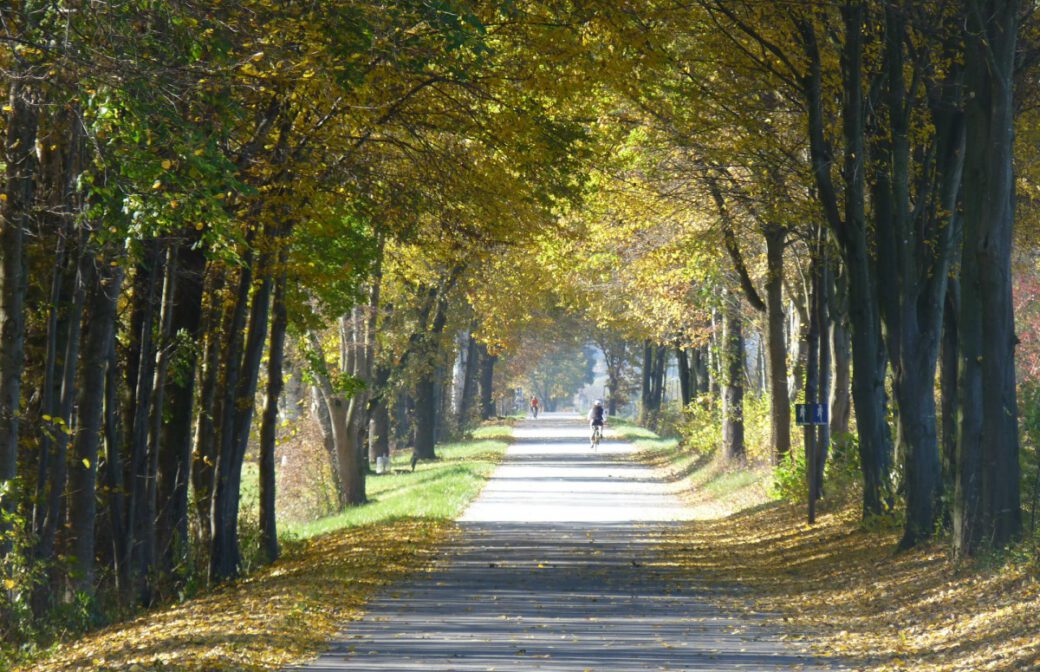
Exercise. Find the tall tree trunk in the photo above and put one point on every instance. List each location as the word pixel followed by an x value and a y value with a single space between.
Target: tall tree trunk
pixel 850 227
pixel 351 475
pixel 487 383
pixel 139 514
pixel 823 318
pixel 426 415
pixel 50 477
pixel 948 394
pixel 223 501
pixel 157 407
pixel 733 445
pixel 207 426
pixel 269 426
pixel 699 368
pixel 340 412
pixel 841 347
pixel 660 369
pixel 379 422
pixel 114 473
pixel 50 393
pixel 646 392
pixel 426 387
pixel 797 325
pixel 713 357
pixel 683 361
pixel 812 380
pixel 225 559
pixel 175 454
pixel 16 208
pixel 987 506
pixel 469 381
pixel 779 400
pixel 106 285
pixel 614 352
pixel 321 413
pixel 62 425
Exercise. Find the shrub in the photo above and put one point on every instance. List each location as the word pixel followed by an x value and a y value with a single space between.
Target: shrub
pixel 1029 407
pixel 698 425
pixel 841 473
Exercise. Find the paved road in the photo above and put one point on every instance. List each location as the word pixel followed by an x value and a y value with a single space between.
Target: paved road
pixel 550 574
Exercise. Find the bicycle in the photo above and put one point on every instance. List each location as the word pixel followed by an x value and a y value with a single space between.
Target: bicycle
pixel 597 436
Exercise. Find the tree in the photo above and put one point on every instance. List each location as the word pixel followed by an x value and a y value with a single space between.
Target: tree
pixel 987 509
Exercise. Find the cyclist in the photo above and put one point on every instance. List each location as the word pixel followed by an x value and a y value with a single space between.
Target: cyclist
pixel 597 419
pixel 534 407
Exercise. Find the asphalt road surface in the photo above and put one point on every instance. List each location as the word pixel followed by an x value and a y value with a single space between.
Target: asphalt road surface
pixel 551 573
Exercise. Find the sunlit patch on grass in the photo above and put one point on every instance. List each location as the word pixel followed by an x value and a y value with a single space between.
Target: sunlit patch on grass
pixel 437 489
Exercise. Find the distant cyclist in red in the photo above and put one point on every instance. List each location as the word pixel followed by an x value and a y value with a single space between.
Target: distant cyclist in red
pixel 534 407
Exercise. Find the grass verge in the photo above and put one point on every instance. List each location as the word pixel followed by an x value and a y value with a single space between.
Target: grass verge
pixel 286 613
pixel 439 489
pixel 839 585
pixel 711 486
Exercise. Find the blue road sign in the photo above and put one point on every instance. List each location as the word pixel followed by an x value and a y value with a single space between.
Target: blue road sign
pixel 811 414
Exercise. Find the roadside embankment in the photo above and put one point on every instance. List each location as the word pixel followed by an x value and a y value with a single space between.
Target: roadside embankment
pixel 840 584
pixel 287 612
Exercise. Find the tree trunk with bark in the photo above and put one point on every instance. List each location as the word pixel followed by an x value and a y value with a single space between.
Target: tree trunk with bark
pixel 841 348
pixel 114 473
pixel 152 508
pixel 269 424
pixel 850 227
pixel 106 284
pixel 140 512
pixel 324 418
pixel 683 362
pixel 426 386
pixel 487 383
pixel 987 505
pixel 646 390
pixel 948 368
pixel 469 381
pixel 16 208
pixel 207 425
pixel 779 408
pixel 225 556
pixel 223 510
pixel 733 445
pixel 175 454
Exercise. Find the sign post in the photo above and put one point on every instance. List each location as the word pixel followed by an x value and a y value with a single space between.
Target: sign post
pixel 811 416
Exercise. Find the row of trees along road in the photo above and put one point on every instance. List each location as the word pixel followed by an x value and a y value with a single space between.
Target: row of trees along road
pixel 192 190
pixel 837 169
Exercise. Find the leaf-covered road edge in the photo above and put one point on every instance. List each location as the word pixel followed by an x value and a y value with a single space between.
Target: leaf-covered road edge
pixel 844 591
pixel 280 616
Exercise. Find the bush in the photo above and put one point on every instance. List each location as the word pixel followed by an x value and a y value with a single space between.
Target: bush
pixel 19 575
pixel 1029 407
pixel 758 432
pixel 698 425
pixel 789 482
pixel 841 474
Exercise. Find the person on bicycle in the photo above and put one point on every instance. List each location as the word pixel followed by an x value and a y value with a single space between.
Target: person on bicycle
pixel 534 407
pixel 597 418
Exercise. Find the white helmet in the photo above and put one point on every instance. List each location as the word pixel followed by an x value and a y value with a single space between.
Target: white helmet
pixel 598 402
